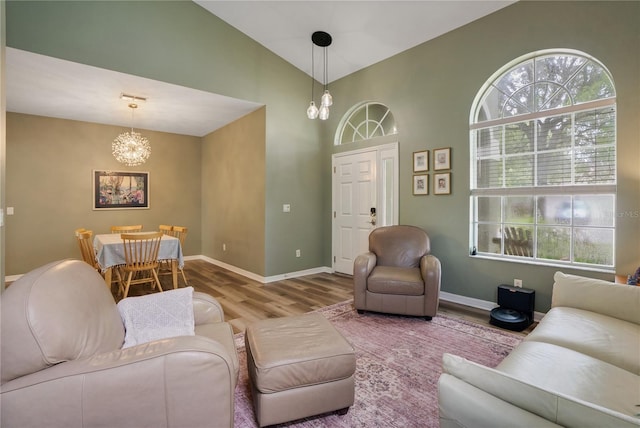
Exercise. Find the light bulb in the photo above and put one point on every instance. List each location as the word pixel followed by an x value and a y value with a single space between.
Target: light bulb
pixel 312 111
pixel 327 99
pixel 324 112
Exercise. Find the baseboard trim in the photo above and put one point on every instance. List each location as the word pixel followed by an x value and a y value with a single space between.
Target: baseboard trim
pixel 447 297
pixel 471 302
pixel 259 278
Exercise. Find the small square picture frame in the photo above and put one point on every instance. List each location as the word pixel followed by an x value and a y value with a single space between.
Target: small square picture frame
pixel 421 184
pixel 421 161
pixel 442 159
pixel 442 183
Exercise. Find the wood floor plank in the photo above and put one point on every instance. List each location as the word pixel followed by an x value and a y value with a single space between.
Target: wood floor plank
pixel 245 301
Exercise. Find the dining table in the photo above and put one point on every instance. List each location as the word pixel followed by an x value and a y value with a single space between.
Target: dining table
pixel 109 249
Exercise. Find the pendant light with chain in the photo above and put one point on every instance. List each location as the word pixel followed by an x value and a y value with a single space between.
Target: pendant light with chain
pixel 131 148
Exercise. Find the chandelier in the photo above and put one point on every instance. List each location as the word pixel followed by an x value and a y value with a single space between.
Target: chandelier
pixel 131 148
pixel 322 39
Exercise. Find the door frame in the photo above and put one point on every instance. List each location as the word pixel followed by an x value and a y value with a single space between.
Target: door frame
pixel 393 218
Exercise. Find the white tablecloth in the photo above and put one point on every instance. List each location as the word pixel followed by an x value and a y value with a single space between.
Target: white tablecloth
pixel 110 250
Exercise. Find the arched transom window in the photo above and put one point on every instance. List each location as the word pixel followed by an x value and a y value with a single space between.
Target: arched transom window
pixel 365 121
pixel 543 162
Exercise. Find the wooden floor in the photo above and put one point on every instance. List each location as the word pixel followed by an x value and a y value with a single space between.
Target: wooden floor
pixel 245 301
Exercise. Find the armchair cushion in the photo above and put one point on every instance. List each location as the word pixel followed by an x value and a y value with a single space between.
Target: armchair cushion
pixel 157 316
pixel 396 280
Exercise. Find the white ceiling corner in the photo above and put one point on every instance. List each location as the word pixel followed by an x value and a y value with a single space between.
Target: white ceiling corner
pixel 364 33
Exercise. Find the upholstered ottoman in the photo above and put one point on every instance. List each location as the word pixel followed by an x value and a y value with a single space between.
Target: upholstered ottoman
pixel 298 366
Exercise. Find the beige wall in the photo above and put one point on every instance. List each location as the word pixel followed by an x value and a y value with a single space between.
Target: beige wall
pixel 233 193
pixel 49 185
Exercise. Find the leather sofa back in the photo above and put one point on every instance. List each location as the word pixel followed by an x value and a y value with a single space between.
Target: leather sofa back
pixel 46 319
pixel 400 246
pixel 614 300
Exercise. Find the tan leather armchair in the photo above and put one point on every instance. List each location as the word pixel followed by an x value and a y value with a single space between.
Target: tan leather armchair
pixel 398 275
pixel 63 366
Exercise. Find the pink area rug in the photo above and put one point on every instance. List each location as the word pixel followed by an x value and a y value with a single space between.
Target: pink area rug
pixel 399 360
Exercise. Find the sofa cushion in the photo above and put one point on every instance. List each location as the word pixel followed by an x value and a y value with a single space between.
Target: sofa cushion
pixel 595 295
pixel 59 312
pixel 575 375
pixel 157 316
pixel 543 401
pixel 602 337
pixel 396 280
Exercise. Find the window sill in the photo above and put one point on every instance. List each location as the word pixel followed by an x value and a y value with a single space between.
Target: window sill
pixel 530 261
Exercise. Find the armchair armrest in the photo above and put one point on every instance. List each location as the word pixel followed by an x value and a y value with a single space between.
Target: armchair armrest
pixel 206 309
pixel 182 381
pixel 362 267
pixel 430 270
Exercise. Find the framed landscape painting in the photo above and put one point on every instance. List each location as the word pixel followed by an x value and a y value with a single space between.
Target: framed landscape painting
pixel 120 190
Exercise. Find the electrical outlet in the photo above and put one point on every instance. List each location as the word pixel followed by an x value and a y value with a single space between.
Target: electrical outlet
pixel 517 283
pixel 297 253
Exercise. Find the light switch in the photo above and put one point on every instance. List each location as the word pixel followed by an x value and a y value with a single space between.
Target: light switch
pixel 286 208
pixel 9 210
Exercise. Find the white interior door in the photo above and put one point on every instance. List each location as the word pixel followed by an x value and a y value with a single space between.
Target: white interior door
pixel 362 180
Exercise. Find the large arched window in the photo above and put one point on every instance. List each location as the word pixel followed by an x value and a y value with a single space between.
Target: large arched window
pixel 543 162
pixel 365 121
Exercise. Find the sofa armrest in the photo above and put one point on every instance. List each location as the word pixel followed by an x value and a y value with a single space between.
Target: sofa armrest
pixel 615 300
pixel 206 309
pixel 182 381
pixel 461 404
pixel 546 404
pixel 362 267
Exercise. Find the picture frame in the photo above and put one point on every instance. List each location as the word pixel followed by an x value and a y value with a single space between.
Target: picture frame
pixel 421 161
pixel 442 159
pixel 421 184
pixel 113 190
pixel 442 183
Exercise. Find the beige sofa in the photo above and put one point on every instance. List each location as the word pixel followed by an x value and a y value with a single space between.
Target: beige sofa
pixel 63 364
pixel 580 366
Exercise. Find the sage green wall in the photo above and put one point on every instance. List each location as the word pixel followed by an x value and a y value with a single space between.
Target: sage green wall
pixel 430 89
pixel 49 184
pixel 233 193
pixel 181 43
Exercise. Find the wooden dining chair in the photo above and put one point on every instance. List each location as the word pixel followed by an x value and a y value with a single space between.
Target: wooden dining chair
pixel 165 265
pixel 166 229
pixel 126 229
pixel 141 257
pixel 85 242
pixel 180 232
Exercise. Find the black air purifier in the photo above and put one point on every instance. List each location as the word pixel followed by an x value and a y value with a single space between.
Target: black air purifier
pixel 516 308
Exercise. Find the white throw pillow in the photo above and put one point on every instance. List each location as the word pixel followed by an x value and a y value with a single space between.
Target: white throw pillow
pixel 157 316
